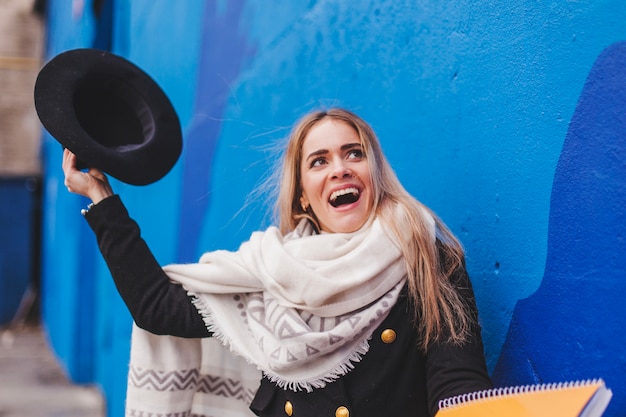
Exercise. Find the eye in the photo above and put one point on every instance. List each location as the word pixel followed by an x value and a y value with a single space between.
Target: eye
pixel 317 162
pixel 356 154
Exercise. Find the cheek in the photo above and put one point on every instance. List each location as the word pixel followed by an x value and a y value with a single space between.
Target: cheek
pixel 302 184
pixel 370 194
pixel 310 186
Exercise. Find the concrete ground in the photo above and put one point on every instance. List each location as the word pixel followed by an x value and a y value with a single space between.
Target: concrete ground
pixel 32 384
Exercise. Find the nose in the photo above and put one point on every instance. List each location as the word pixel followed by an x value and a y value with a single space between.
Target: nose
pixel 340 169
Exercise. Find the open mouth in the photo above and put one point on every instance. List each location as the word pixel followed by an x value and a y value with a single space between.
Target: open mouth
pixel 345 196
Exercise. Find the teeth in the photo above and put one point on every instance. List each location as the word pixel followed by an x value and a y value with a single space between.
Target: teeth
pixel 345 191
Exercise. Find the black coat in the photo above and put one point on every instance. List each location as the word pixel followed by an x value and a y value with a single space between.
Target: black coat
pixel 395 377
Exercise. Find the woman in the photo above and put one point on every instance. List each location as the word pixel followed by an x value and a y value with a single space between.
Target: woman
pixel 358 304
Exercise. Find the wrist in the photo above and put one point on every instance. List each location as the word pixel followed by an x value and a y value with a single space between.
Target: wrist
pixel 99 194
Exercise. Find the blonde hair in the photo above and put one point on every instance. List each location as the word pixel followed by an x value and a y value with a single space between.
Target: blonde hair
pixel 439 310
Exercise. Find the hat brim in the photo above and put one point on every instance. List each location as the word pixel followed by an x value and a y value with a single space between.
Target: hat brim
pixel 109 113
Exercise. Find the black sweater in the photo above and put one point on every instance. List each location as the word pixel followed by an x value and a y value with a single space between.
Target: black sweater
pixel 395 378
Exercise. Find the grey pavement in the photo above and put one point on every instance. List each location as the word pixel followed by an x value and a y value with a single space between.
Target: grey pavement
pixel 33 384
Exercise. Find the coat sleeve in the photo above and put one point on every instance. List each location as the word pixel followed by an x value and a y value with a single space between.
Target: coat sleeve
pixel 155 303
pixel 457 369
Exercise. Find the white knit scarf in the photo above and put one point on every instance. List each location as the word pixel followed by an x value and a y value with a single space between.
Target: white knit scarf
pixel 300 308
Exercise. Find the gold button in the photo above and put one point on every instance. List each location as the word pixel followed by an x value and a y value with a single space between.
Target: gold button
pixel 388 336
pixel 288 408
pixel 342 412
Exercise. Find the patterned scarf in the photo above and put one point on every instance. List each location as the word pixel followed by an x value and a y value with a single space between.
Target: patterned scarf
pixel 300 308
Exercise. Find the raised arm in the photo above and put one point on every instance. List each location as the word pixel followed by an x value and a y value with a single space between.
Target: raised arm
pixel 155 303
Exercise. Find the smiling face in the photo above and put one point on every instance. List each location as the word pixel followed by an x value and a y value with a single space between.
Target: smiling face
pixel 335 177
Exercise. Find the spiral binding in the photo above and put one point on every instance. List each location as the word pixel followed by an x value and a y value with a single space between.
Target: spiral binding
pixel 509 391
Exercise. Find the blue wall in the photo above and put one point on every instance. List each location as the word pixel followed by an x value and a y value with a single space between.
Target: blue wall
pixel 18 243
pixel 479 107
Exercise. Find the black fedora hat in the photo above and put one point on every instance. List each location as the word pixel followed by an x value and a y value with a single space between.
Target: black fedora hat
pixel 109 113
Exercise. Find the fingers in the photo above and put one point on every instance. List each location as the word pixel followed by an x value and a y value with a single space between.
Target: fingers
pixel 75 180
pixel 92 184
pixel 67 160
pixel 97 174
pixel 68 166
pixel 69 163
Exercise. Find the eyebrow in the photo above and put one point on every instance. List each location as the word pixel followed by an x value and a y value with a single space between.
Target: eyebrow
pixel 344 147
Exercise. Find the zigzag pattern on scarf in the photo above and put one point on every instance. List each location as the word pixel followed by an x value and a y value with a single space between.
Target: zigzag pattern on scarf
pixel 188 380
pixel 139 413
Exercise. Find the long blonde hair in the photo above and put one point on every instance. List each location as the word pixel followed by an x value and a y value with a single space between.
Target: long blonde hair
pixel 439 310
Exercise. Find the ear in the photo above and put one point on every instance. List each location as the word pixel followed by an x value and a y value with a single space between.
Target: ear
pixel 304 202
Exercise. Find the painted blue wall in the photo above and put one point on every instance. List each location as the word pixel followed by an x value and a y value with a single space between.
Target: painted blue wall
pixel 579 302
pixel 473 102
pixel 18 260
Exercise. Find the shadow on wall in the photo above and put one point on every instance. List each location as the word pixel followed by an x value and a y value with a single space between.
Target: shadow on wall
pixel 574 326
pixel 220 63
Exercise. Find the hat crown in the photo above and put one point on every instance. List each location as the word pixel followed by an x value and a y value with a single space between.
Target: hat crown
pixel 112 113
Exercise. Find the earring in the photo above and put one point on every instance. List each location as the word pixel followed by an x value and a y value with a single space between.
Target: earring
pixel 304 204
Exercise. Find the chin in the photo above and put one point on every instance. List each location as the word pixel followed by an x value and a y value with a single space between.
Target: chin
pixel 346 227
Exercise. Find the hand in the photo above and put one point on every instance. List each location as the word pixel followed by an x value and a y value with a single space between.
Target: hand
pixel 92 184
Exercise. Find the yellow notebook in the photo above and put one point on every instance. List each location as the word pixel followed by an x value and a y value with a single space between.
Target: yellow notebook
pixel 564 399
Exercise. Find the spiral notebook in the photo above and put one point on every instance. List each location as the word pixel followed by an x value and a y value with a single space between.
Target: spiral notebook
pixel 564 399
